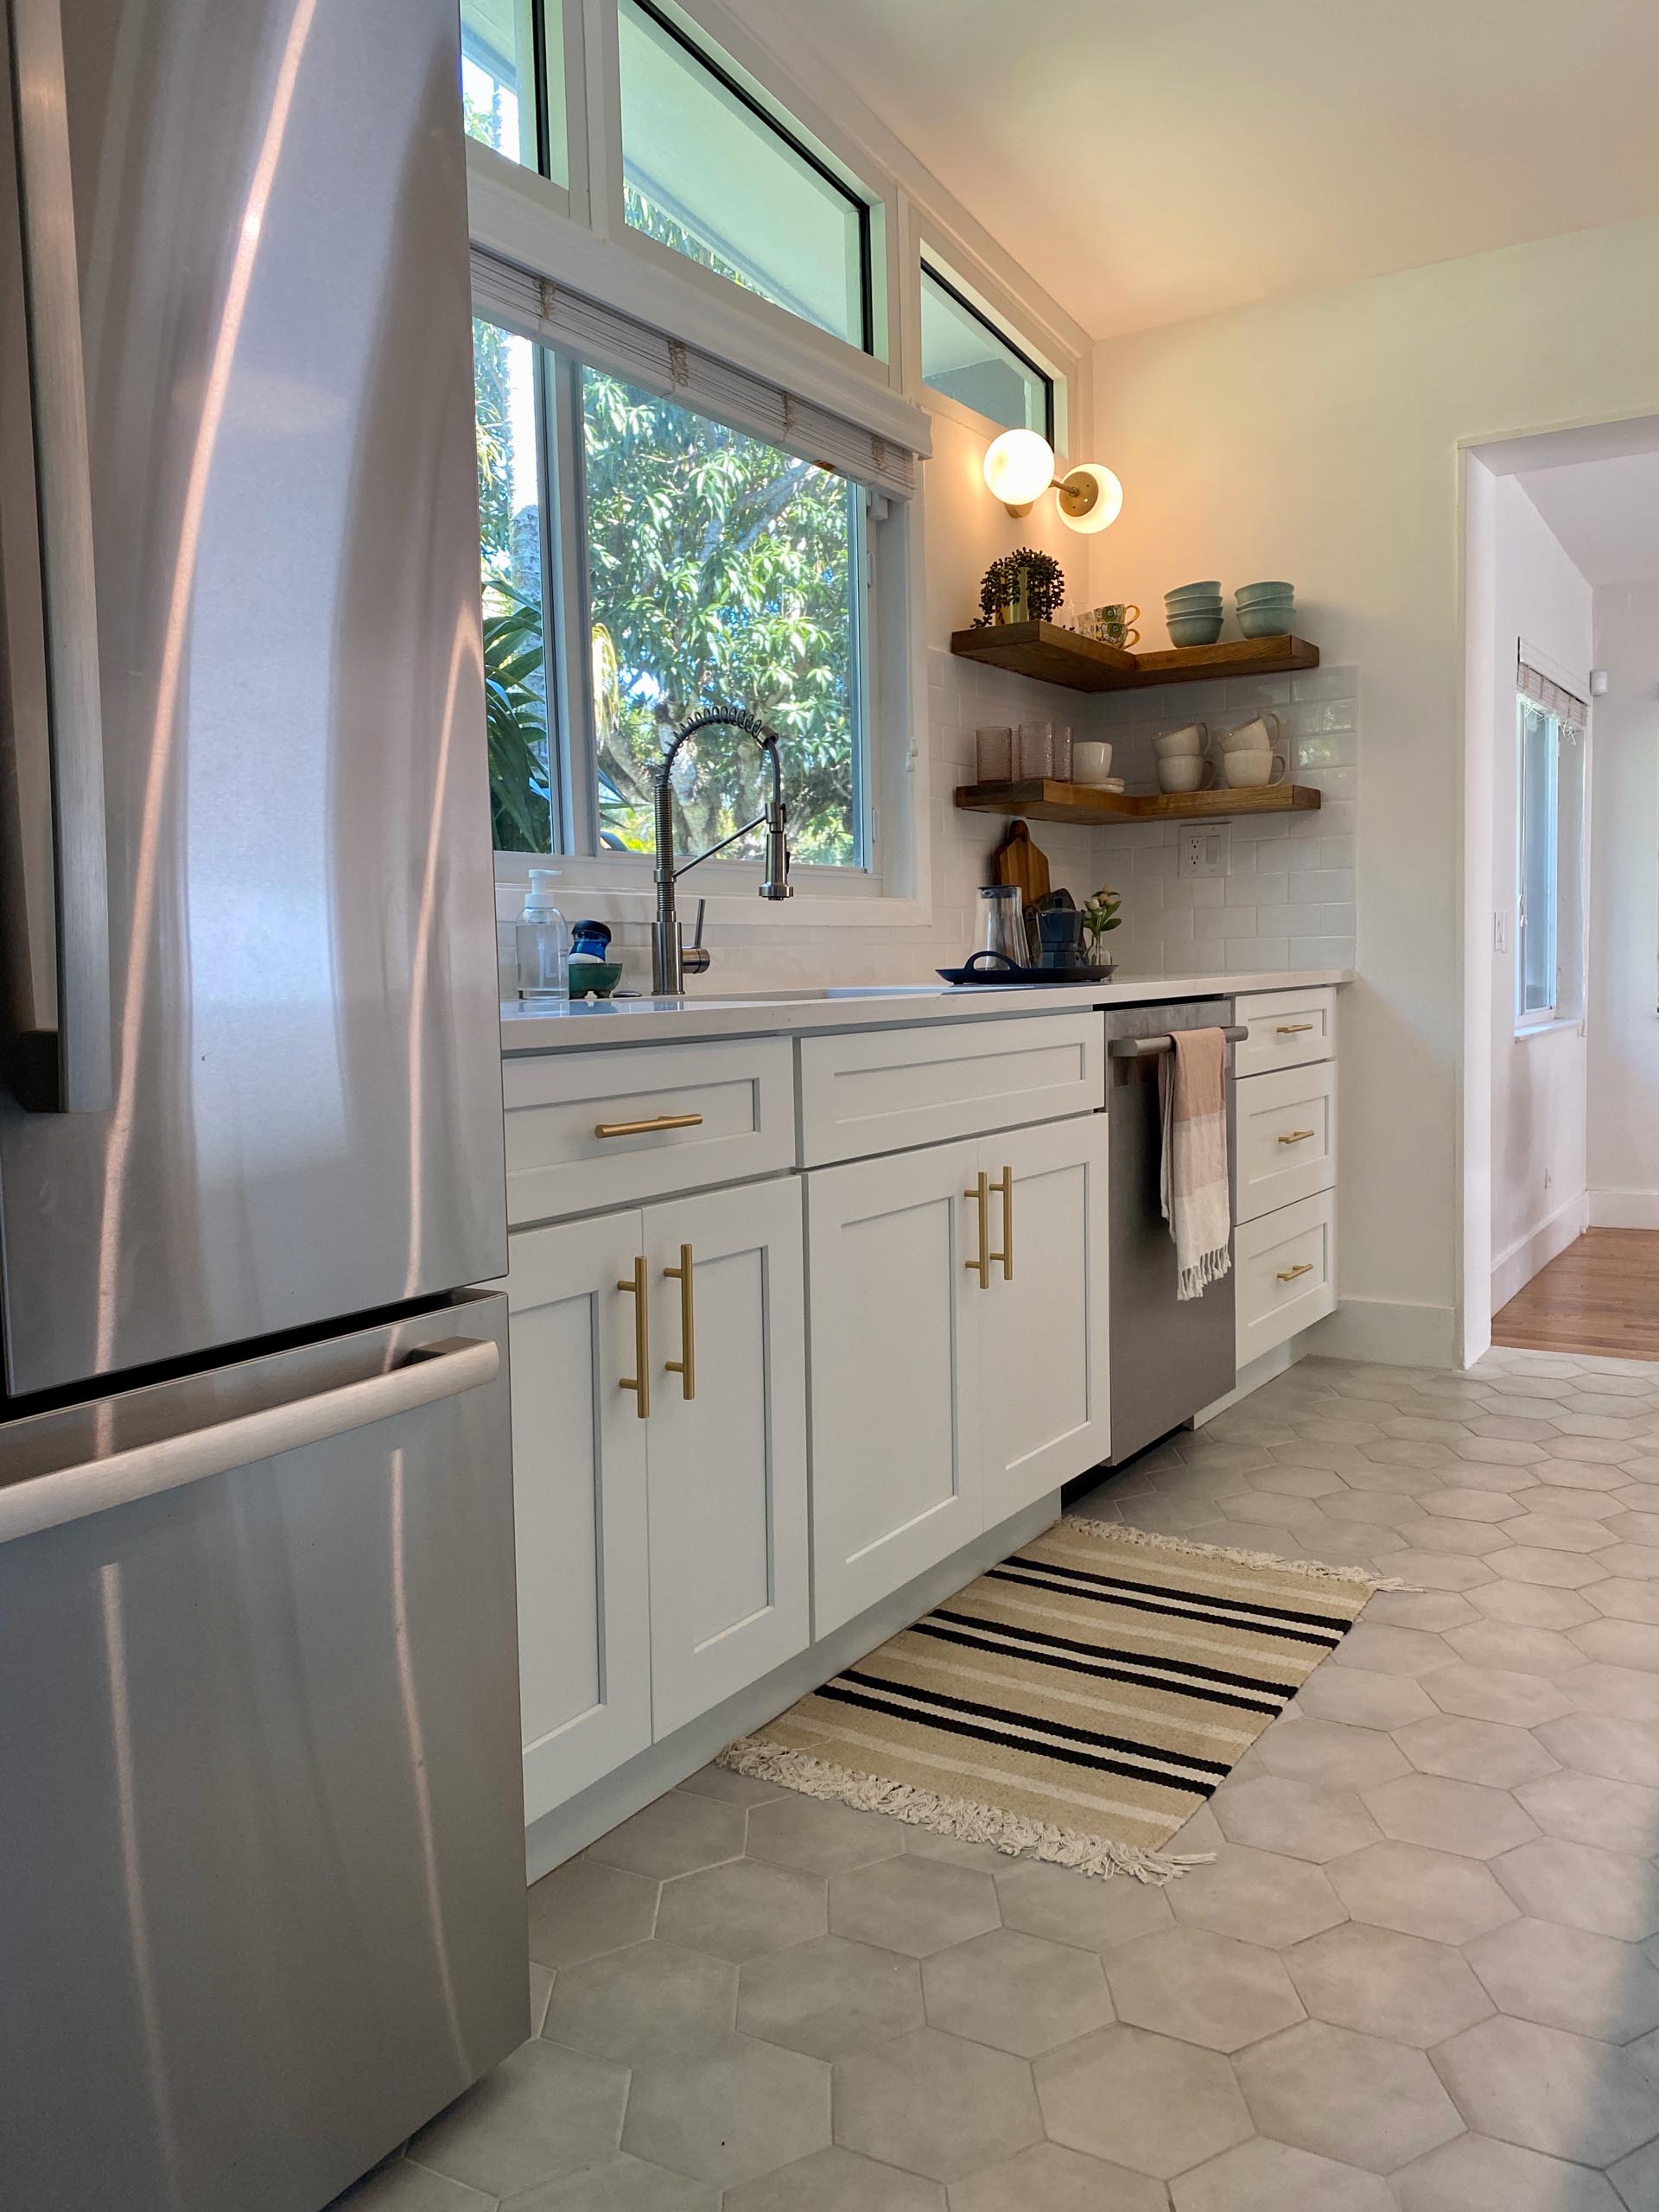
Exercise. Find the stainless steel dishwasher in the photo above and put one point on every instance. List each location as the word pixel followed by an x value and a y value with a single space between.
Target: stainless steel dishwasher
pixel 1170 1356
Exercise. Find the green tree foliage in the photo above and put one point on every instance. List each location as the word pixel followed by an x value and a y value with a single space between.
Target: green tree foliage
pixel 515 660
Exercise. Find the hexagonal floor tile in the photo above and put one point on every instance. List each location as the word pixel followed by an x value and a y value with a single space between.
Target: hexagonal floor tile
pixel 1620 1642
pixel 1638 2178
pixel 1497 1694
pixel 936 2105
pixel 837 2181
pixel 1560 1570
pixel 1090 1916
pixel 1568 1978
pixel 1437 1610
pixel 1577 1885
pixel 541 2113
pixel 1202 1988
pixel 653 2000
pixel 1523 1650
pixel 1448 1815
pixel 674 1834
pixel 1534 1604
pixel 734 2109
pixel 397 2186
pixel 1591 1742
pixel 1402 1987
pixel 821 1838
pixel 1367 1700
pixel 1560 1532
pixel 1306 1750
pixel 1489 1752
pixel 742 1910
pixel 829 1997
pixel 583 1909
pixel 914 1904
pixel 1437 1569
pixel 1548 2091
pixel 1625 1693
pixel 1413 1652
pixel 1421 1892
pixel 1265 2176
pixel 1625 1601
pixel 1346 2096
pixel 1016 1993
pixel 1140 2101
pixel 1050 2178
pixel 1260 1897
pixel 621 2184
pixel 1590 1809
pixel 1301 1819
pixel 1477 2174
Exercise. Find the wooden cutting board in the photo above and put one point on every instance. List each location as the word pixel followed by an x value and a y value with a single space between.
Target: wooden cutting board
pixel 1017 860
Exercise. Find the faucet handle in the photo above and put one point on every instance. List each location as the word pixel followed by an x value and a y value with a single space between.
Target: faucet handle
pixel 695 958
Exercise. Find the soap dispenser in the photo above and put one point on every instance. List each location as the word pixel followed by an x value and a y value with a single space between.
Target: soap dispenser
pixel 542 941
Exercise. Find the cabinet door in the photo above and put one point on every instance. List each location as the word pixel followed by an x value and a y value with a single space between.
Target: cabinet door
pixel 728 1444
pixel 1044 1347
pixel 894 1386
pixel 579 1490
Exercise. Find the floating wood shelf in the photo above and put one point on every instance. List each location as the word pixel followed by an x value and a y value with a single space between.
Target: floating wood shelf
pixel 1056 656
pixel 1045 800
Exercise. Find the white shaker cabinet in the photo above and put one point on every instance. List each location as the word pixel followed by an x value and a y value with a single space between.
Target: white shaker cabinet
pixel 959 1347
pixel 662 1538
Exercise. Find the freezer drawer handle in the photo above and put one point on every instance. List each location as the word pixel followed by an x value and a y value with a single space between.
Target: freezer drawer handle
pixel 59 965
pixel 432 1373
pixel 1137 1048
pixel 1293 1028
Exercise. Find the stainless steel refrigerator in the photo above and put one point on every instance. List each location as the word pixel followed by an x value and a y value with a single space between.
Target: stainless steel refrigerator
pixel 261 1843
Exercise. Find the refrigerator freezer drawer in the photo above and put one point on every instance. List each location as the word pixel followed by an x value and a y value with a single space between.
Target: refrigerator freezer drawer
pixel 261 1898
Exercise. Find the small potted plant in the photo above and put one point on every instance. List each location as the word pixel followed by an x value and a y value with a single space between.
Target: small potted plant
pixel 1025 585
pixel 1100 914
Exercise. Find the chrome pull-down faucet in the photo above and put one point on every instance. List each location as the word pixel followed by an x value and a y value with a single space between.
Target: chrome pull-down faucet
pixel 671 960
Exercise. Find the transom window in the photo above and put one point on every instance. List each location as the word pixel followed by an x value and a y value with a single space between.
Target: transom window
pixel 694 566
pixel 512 80
pixel 965 356
pixel 708 173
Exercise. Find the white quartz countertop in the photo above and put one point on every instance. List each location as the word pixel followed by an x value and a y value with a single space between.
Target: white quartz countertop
pixel 585 1024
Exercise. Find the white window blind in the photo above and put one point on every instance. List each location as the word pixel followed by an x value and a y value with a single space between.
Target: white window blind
pixel 618 344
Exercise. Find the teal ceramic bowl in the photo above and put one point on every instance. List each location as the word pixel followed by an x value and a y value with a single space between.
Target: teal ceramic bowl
pixel 1247 595
pixel 1268 618
pixel 1194 629
pixel 599 977
pixel 1192 595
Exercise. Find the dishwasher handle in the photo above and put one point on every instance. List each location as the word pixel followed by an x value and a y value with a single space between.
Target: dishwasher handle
pixel 430 1374
pixel 1141 1048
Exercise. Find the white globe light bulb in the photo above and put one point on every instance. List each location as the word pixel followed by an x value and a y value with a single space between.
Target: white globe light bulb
pixel 1101 510
pixel 1019 466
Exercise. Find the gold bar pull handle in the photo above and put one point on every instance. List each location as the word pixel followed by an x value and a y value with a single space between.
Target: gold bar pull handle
pixel 647 1129
pixel 1298 1136
pixel 1289 1274
pixel 1293 1028
pixel 637 1286
pixel 982 1198
pixel 686 1365
pixel 1005 1184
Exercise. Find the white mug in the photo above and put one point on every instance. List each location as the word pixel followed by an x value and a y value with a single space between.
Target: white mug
pixel 1245 771
pixel 1186 773
pixel 1181 744
pixel 1091 760
pixel 1261 735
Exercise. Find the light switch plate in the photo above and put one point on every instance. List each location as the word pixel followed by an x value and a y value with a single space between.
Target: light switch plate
pixel 1207 850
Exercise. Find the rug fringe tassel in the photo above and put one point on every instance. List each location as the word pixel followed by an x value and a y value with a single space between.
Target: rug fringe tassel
pixel 954 1816
pixel 1315 1569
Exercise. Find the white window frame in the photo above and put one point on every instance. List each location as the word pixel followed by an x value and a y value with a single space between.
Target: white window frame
pixel 1567 921
pixel 1001 325
pixel 578 236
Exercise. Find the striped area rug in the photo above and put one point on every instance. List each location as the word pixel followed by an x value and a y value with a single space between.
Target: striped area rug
pixel 1077 1703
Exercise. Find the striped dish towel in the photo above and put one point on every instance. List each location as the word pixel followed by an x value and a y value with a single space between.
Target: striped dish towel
pixel 1196 1194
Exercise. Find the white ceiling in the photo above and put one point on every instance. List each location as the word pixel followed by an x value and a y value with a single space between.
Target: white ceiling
pixel 1605 515
pixel 1152 160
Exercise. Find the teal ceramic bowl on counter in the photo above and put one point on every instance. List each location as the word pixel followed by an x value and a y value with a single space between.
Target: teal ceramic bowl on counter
pixel 599 977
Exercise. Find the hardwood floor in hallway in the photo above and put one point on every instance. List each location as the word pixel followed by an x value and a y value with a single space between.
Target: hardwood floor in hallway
pixel 1600 1295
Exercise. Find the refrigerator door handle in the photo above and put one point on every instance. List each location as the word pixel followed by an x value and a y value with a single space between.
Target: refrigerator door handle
pixel 430 1373
pixel 51 714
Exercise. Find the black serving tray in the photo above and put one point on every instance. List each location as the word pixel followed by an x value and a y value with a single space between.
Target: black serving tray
pixel 999 972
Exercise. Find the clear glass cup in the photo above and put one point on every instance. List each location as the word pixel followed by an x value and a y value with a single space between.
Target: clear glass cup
pixel 1036 749
pixel 1062 751
pixel 993 755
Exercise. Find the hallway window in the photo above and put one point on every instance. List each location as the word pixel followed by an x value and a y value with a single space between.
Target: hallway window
pixel 1549 873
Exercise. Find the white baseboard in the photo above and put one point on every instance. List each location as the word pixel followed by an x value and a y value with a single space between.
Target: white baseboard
pixel 1513 1269
pixel 1621 1210
pixel 1393 1332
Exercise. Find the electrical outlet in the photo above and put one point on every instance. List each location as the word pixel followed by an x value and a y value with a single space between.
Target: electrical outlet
pixel 1206 851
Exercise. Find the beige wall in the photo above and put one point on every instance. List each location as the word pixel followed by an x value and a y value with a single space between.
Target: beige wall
pixel 1318 438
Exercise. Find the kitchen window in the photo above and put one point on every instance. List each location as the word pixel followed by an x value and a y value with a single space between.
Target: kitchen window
pixel 513 81
pixel 686 563
pixel 709 173
pixel 1550 853
pixel 967 358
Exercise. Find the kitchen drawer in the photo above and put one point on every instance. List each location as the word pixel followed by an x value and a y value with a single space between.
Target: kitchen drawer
pixel 734 1104
pixel 1287 1029
pixel 886 1089
pixel 1284 1136
pixel 1286 1267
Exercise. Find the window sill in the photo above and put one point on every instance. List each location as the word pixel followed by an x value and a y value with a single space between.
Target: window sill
pixel 1553 1027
